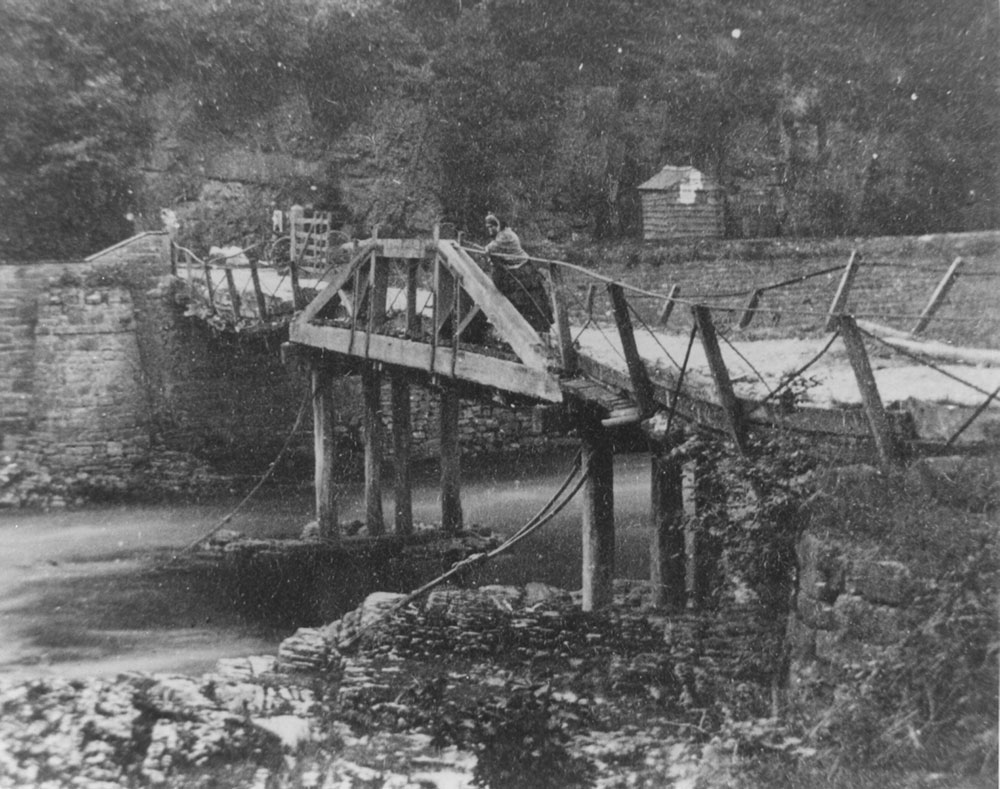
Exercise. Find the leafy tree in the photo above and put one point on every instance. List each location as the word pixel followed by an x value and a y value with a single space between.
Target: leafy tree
pixel 70 138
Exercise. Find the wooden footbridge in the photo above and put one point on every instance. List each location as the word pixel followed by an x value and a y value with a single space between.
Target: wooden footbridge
pixel 402 308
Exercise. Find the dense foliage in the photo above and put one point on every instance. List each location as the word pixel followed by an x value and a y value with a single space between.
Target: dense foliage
pixel 847 117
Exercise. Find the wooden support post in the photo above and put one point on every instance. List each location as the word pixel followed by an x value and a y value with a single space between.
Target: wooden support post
pixel 371 392
pixel 668 306
pixel 451 460
pixel 258 291
pixel 689 493
pixel 840 298
pixel 401 439
pixel 666 557
pixel 636 369
pixel 435 309
pixel 748 310
pixel 885 442
pixel 234 296
pixel 598 518
pixel 938 296
pixel 567 353
pixel 324 448
pixel 723 385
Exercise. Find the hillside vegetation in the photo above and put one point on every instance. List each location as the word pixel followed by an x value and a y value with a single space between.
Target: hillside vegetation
pixel 839 118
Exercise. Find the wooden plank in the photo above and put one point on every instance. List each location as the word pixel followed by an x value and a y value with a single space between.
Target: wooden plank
pixel 371 394
pixel 324 448
pixel 938 296
pixel 564 337
pixel 473 367
pixel 667 550
pixel 402 438
pixel 885 443
pixel 598 518
pixel 451 461
pixel 843 289
pixel 641 385
pixel 720 374
pixel 512 326
pixel 405 248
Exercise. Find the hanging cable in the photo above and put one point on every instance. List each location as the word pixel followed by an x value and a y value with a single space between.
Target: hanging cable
pixel 680 378
pixel 653 334
pixel 792 376
pixel 924 362
pixel 477 559
pixel 746 361
pixel 270 470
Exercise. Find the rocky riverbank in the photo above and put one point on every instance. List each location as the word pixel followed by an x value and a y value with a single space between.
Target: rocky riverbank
pixel 512 686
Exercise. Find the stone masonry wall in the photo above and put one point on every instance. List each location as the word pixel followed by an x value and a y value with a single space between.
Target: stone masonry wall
pixel 871 559
pixel 106 388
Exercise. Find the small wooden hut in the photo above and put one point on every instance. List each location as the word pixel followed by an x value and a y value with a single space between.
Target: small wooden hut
pixel 681 202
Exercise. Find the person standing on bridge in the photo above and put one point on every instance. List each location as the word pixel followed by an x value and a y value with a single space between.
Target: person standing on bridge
pixel 515 275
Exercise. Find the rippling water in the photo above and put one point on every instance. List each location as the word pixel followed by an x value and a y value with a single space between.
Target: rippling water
pixel 81 594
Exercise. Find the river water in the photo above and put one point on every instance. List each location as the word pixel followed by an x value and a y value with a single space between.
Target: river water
pixel 82 592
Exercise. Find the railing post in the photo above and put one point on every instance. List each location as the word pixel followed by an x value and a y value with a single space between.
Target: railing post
pixel 234 296
pixel 840 297
pixel 258 292
pixel 938 296
pixel 723 384
pixel 567 353
pixel 885 443
pixel 636 369
pixel 668 306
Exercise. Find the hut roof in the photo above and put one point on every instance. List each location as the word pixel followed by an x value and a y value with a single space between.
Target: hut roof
pixel 668 178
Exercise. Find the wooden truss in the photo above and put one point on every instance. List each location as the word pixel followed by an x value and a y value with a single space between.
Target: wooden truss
pixel 408 302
